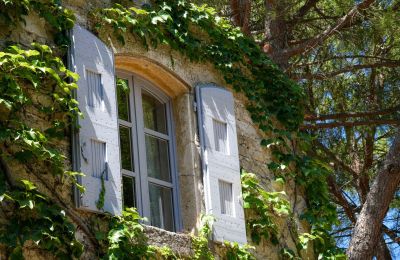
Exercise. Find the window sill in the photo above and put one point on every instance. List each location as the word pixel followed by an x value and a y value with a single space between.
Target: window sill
pixel 180 243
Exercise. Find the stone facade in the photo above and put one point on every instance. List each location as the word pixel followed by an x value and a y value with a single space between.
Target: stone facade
pixel 179 70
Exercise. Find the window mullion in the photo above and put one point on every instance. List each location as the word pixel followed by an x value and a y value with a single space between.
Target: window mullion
pixel 141 147
pixel 125 123
pixel 173 168
pixel 160 182
pixel 156 134
pixel 134 143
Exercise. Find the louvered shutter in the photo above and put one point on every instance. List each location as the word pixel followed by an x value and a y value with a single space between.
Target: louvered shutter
pixel 221 170
pixel 96 147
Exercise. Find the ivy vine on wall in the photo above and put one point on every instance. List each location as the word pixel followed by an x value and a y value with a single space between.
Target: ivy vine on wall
pixel 199 34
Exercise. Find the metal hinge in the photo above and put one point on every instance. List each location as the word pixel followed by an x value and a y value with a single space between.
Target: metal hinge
pixel 195 106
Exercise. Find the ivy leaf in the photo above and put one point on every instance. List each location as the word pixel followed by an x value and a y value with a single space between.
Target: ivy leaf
pixel 115 235
pixel 100 235
pixel 28 185
pixel 162 18
pixel 81 188
pixel 17 254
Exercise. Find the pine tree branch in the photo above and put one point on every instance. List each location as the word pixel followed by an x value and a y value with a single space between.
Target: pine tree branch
pixel 319 39
pixel 350 124
pixel 304 9
pixel 341 200
pixel 366 114
pixel 324 76
pixel 336 160
pixel 343 57
pixel 391 233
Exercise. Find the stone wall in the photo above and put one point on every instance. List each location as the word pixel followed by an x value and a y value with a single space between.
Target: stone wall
pixel 253 158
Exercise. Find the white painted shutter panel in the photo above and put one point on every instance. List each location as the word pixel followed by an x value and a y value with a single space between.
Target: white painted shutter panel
pixel 97 141
pixel 221 169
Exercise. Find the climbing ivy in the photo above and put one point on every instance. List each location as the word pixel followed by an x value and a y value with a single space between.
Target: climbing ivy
pixel 261 209
pixel 201 241
pixel 199 34
pixel 100 201
pixel 25 73
pixel 236 252
pixel 32 217
pixel 22 74
pixel 196 32
pixel 231 251
pixel 126 238
pixel 57 17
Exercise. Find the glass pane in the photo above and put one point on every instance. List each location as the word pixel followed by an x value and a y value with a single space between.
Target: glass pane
pixel 154 113
pixel 157 158
pixel 161 212
pixel 129 194
pixel 126 148
pixel 123 99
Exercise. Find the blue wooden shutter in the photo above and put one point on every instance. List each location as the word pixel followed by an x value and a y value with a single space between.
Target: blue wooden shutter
pixel 96 143
pixel 221 170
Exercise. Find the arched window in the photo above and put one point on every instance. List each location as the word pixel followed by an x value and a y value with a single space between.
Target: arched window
pixel 147 150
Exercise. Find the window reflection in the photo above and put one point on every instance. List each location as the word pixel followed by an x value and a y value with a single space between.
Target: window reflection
pixel 161 210
pixel 157 158
pixel 154 115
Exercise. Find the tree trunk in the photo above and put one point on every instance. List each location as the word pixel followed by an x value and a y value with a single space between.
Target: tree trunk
pixel 241 11
pixel 382 251
pixel 276 31
pixel 367 230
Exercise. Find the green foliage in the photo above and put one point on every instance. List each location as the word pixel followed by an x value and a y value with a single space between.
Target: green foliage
pixel 236 252
pixel 321 211
pixel 126 237
pixel 287 253
pixel 194 31
pixel 200 242
pixel 313 176
pixel 166 253
pixel 102 194
pixel 59 18
pixel 201 36
pixel 23 73
pixel 323 245
pixel 122 85
pixel 261 209
pixel 34 218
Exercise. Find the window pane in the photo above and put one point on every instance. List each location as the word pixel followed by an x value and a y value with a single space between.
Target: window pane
pixel 157 158
pixel 126 148
pixel 153 113
pixel 161 207
pixel 123 99
pixel 129 194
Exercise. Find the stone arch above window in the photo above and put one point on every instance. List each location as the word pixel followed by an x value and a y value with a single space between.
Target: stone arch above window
pixel 154 72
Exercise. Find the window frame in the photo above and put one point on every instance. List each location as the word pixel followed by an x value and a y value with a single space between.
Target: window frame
pixel 138 147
